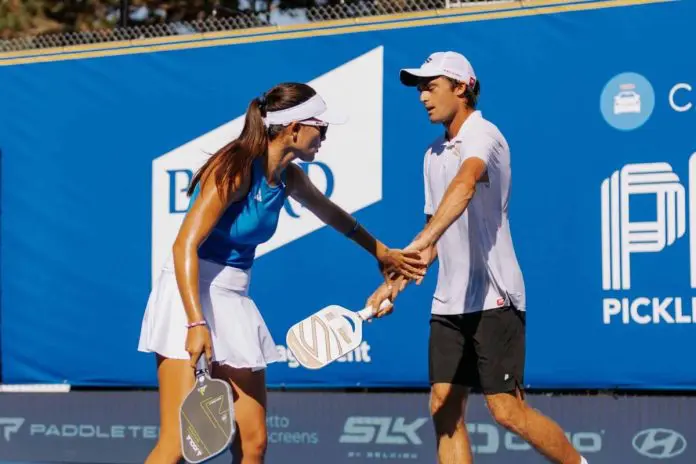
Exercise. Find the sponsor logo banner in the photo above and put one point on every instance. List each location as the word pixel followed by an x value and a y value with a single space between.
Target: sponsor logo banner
pixel 122 427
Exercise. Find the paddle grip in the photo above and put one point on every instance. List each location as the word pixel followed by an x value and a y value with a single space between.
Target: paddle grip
pixel 202 364
pixel 368 312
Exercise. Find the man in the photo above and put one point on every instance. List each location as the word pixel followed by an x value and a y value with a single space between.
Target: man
pixel 477 326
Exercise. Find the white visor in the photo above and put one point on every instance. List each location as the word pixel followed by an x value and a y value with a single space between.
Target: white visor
pixel 312 112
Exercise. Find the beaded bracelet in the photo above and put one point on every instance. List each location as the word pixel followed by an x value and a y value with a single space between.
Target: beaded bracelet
pixel 196 324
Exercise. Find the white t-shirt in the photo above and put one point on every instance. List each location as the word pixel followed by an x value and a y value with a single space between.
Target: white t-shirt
pixel 478 268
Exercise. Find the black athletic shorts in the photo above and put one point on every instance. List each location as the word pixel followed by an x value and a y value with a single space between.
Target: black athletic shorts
pixel 483 350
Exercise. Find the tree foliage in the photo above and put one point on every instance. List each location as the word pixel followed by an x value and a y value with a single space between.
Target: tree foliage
pixel 35 17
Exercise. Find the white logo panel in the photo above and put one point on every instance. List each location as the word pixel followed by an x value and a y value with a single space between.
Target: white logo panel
pixel 351 156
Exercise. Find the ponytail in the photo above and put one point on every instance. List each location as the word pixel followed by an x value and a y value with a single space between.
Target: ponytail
pixel 233 162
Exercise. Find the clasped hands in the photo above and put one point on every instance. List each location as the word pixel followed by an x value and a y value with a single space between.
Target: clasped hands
pixel 399 267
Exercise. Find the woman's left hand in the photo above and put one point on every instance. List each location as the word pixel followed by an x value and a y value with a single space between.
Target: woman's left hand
pixel 409 264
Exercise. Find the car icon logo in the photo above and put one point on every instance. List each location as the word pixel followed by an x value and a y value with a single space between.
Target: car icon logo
pixel 627 100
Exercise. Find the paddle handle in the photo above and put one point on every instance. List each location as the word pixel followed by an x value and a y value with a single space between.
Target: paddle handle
pixel 369 311
pixel 202 364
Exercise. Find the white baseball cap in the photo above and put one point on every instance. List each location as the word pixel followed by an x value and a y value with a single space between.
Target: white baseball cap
pixel 449 64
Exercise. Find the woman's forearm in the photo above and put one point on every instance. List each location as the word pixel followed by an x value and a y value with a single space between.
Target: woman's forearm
pixel 362 237
pixel 186 271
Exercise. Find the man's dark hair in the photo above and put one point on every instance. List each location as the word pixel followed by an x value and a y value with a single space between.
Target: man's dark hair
pixel 471 94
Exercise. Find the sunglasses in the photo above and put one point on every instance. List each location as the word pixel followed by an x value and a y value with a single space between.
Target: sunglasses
pixel 323 127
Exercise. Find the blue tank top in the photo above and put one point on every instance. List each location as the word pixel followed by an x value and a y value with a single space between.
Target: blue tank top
pixel 246 223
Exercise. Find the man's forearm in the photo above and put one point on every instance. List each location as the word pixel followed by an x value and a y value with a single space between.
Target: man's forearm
pixel 453 205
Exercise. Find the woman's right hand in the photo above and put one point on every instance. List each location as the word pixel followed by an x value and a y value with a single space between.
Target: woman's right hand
pixel 384 292
pixel 197 342
pixel 407 263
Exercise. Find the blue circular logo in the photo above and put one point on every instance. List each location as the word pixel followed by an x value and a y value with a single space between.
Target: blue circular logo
pixel 627 101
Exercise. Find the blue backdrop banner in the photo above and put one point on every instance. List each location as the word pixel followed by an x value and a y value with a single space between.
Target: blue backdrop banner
pixel 97 152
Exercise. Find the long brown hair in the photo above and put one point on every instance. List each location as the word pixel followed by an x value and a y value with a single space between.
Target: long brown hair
pixel 233 161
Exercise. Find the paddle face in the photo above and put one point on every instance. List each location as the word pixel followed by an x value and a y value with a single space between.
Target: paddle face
pixel 325 336
pixel 207 418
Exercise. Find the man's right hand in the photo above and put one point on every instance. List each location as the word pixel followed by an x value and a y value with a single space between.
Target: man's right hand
pixel 427 258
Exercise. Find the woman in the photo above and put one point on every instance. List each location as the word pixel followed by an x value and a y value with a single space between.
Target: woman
pixel 199 304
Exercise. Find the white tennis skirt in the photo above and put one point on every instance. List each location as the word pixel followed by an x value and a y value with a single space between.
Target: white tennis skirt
pixel 239 334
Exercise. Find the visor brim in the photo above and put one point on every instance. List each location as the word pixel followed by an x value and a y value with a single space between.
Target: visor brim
pixel 332 116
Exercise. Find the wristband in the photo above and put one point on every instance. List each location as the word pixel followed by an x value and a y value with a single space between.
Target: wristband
pixel 352 232
pixel 195 324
